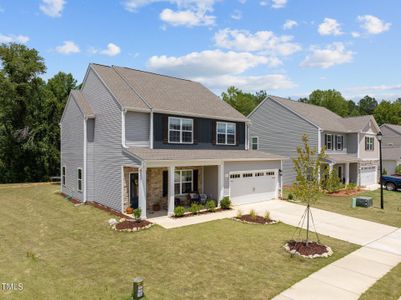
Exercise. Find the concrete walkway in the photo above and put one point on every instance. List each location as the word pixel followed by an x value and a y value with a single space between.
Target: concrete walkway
pixel 346 278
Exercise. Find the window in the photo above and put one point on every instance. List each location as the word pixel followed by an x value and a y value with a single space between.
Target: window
pixel 328 141
pixel 183 182
pixel 245 175
pixel 233 176
pixel 369 143
pixel 180 130
pixel 339 142
pixel 63 171
pixel 270 173
pixel 258 174
pixel 79 179
pixel 225 133
pixel 254 143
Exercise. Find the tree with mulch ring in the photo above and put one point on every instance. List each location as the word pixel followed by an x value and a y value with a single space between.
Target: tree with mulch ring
pixel 307 189
pixel 253 218
pixel 133 224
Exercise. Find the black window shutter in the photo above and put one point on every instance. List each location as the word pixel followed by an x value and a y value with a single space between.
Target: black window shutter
pixel 165 183
pixel 196 131
pixel 237 132
pixel 373 144
pixel 195 180
pixel 165 129
pixel 366 143
pixel 213 132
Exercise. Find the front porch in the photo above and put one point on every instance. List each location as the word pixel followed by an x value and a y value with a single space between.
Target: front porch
pixel 157 190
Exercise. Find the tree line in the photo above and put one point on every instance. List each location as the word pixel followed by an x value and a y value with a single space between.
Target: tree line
pixel 384 111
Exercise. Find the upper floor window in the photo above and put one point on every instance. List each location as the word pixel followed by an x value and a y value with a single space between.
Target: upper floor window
pixel 339 142
pixel 180 130
pixel 225 133
pixel 79 177
pixel 369 143
pixel 254 143
pixel 63 171
pixel 328 141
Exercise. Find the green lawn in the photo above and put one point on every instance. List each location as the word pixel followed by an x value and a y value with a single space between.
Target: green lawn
pixel 391 215
pixel 59 251
pixel 388 287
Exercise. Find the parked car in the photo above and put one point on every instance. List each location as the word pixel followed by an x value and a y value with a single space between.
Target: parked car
pixel 393 182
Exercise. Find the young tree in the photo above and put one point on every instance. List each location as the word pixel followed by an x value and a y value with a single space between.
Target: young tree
pixel 306 188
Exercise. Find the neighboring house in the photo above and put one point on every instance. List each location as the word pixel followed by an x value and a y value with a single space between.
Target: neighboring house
pixel 278 125
pixel 131 138
pixel 391 147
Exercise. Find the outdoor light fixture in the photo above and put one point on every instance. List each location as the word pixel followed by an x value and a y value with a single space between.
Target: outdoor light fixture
pixel 379 138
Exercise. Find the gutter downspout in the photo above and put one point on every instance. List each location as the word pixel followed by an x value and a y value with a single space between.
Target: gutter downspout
pixel 85 158
pixel 319 147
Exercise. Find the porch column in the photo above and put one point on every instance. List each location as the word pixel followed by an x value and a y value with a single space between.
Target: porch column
pixel 346 170
pixel 142 190
pixel 220 182
pixel 331 167
pixel 171 193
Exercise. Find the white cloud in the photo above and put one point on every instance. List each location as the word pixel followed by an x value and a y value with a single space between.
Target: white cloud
pixel 263 3
pixel 373 25
pixel 333 54
pixel 52 8
pixel 189 13
pixel 265 41
pixel 375 88
pixel 290 24
pixel 279 3
pixel 330 27
pixel 11 38
pixel 355 34
pixel 186 18
pixel 247 83
pixel 68 47
pixel 208 63
pixel 236 15
pixel 111 50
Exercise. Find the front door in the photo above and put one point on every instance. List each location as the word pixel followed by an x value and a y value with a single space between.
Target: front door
pixel 133 179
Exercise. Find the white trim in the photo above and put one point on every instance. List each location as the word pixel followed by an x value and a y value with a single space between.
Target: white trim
pixel 257 142
pixel 181 131
pixel 85 159
pixel 122 189
pixel 319 140
pixel 220 182
pixel 170 189
pixel 79 180
pixel 226 133
pixel 142 193
pixel 326 136
pixel 151 130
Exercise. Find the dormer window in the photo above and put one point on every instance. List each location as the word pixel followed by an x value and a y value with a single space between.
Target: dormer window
pixel 180 130
pixel 225 133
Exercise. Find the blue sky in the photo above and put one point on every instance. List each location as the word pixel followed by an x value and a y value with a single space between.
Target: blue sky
pixel 286 47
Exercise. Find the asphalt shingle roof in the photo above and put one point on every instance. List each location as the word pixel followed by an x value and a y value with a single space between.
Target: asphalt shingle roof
pixel 83 103
pixel 396 128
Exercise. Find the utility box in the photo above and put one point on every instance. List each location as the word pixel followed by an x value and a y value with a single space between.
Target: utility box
pixel 137 288
pixel 362 201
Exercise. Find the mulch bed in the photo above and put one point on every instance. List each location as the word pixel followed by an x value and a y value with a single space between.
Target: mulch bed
pixel 254 220
pixel 310 250
pixel 343 193
pixel 132 225
pixel 202 212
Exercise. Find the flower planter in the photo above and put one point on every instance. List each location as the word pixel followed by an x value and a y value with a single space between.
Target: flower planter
pixel 129 210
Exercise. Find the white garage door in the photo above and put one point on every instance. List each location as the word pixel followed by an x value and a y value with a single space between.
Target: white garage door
pixel 368 175
pixel 253 186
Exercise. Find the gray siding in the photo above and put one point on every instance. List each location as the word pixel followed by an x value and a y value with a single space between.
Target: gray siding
pixel 352 141
pixel 390 137
pixel 90 173
pixel 210 181
pixel 280 132
pixel 368 155
pixel 345 143
pixel 137 128
pixel 72 148
pixel 246 166
pixel 107 148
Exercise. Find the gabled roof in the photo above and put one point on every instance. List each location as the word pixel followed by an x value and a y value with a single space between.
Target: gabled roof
pixel 325 119
pixel 391 153
pixel 83 104
pixel 147 154
pixel 396 128
pixel 146 91
pixel 342 158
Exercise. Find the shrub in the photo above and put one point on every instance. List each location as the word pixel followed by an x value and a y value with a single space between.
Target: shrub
pixel 225 203
pixel 351 186
pixel 179 211
pixel 211 205
pixel 252 213
pixel 137 213
pixel 398 169
pixel 332 183
pixel 384 172
pixel 266 216
pixel 195 208
pixel 290 196
pixel 239 214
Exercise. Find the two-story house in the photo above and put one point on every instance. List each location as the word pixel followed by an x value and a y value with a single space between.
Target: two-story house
pixel 278 125
pixel 131 138
pixel 391 147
